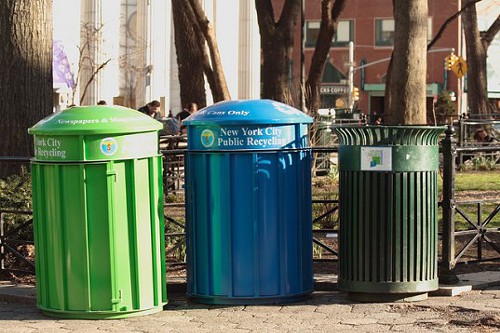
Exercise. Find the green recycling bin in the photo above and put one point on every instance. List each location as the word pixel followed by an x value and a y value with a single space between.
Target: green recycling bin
pixel 388 211
pixel 98 213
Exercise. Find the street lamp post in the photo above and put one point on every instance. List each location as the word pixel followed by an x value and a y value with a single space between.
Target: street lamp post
pixel 351 76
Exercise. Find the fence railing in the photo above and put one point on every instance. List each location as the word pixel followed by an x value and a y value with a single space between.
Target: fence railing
pixel 11 244
pixel 478 227
pixel 480 232
pixel 465 127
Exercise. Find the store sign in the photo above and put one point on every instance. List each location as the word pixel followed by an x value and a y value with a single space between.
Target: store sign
pixel 340 89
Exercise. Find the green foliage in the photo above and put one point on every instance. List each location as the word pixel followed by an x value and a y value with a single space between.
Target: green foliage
pixel 326 188
pixel 317 251
pixel 176 250
pixel 174 227
pixel 15 192
pixel 174 198
pixel 479 163
pixel 444 107
pixel 175 245
pixel 334 174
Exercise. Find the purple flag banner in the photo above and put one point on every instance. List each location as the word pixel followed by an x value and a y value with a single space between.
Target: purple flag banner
pixel 61 71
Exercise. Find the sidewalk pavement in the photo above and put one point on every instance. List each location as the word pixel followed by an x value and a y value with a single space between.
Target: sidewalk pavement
pixel 471 306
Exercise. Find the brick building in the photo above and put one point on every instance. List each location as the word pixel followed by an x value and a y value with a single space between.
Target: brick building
pixel 136 37
pixel 370 26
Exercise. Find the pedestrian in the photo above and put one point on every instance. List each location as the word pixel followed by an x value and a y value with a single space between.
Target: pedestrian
pixel 171 125
pixel 481 136
pixel 151 109
pixel 186 112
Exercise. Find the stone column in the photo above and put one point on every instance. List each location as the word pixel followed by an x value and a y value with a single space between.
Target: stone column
pixel 141 60
pixel 248 52
pixel 108 51
pixel 161 31
pixel 98 39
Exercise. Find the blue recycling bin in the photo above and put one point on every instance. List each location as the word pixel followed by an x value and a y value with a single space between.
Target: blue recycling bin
pixel 248 204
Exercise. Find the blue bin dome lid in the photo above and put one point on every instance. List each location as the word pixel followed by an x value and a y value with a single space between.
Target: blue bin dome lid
pixel 262 111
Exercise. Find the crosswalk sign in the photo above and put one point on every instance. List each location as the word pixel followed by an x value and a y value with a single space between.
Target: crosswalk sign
pixel 459 67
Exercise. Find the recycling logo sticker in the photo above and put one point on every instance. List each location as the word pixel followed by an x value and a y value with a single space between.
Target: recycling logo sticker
pixel 108 146
pixel 207 138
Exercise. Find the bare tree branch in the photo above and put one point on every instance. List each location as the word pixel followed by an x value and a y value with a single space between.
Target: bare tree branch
pixel 330 13
pixel 218 80
pixel 86 60
pixel 448 21
pixel 492 31
pixel 97 70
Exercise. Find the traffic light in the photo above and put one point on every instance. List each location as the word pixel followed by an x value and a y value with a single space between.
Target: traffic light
pixel 355 94
pixel 449 61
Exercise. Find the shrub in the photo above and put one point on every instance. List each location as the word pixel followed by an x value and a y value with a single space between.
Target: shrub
pixel 15 192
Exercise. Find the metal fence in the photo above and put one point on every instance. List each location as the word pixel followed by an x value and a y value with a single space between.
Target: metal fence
pixel 478 236
pixel 465 127
pixel 480 229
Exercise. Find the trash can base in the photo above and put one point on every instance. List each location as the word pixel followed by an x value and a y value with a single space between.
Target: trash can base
pixel 100 314
pixel 380 288
pixel 386 298
pixel 222 300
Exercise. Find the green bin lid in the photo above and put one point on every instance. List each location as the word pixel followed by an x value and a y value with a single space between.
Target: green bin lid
pixel 95 119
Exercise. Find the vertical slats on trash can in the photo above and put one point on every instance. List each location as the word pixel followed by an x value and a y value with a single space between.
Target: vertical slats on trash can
pixel 388 229
pixel 388 244
pixel 249 228
pixel 98 214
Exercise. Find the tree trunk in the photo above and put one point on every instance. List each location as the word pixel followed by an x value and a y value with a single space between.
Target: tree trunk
pixel 189 54
pixel 477 84
pixel 330 13
pixel 213 70
pixel 409 63
pixel 276 44
pixel 477 91
pixel 276 71
pixel 26 79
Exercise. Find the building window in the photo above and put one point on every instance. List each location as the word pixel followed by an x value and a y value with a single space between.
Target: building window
pixel 312 32
pixel 384 31
pixel 344 34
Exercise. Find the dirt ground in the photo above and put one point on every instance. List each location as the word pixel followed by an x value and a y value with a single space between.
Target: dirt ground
pixel 475 320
